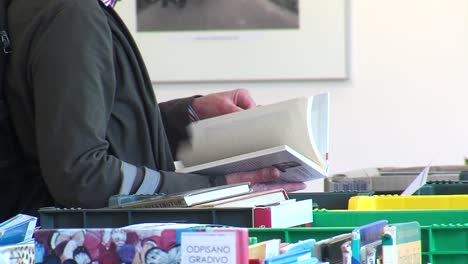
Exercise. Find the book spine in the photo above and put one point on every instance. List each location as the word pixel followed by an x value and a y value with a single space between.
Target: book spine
pixel 356 247
pixel 175 202
pixel 30 230
pixel 242 246
pixel 365 235
pixel 262 217
pixel 388 252
pixel 291 257
pixel 401 244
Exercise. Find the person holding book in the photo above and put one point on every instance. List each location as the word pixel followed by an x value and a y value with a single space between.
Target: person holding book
pixel 85 114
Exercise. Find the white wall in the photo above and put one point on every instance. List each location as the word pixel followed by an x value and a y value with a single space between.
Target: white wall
pixel 406 101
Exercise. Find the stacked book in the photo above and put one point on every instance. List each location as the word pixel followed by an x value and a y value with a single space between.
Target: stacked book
pixel 169 243
pixel 271 208
pixel 388 179
pixel 376 242
pixel 172 243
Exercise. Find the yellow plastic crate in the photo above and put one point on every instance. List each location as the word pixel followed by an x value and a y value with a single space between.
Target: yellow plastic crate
pixel 397 202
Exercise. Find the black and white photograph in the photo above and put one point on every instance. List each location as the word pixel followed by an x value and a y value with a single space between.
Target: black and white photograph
pixel 239 40
pixel 196 15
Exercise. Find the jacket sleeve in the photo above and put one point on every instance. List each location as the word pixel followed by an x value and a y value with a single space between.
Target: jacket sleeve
pixel 173 182
pixel 72 78
pixel 176 119
pixel 73 84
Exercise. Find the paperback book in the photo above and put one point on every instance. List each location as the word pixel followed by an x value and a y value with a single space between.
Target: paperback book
pixel 292 135
pixel 289 213
pixel 190 198
pixel 17 229
pixel 264 250
pixel 363 237
pixel 401 243
pixel 293 257
pixel 250 200
pixel 16 243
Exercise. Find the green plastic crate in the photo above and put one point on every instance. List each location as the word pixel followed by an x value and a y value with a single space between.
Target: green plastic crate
pixel 328 200
pixel 441 241
pixel 443 188
pixel 337 218
pixel 440 244
pixel 242 217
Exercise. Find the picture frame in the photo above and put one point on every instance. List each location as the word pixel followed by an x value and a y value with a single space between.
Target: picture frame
pixel 315 50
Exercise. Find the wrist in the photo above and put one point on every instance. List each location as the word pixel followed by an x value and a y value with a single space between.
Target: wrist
pixel 196 106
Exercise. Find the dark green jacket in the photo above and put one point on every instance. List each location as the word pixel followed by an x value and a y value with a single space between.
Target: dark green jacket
pixel 83 104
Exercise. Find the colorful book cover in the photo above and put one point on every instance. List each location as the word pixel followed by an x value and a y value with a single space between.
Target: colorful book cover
pixel 297 256
pixel 364 235
pixel 18 253
pixel 17 229
pixel 164 243
pixel 265 249
pixel 300 245
pixel 401 243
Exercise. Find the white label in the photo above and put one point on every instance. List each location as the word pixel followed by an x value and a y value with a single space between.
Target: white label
pixel 208 247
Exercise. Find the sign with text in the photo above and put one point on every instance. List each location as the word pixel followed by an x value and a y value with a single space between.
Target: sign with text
pixel 208 247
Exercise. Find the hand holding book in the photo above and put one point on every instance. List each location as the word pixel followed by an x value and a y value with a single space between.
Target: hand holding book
pixel 263 180
pixel 291 136
pixel 217 104
pixel 281 145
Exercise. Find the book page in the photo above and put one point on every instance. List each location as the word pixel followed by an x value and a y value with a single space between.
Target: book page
pixel 293 166
pixel 284 123
pixel 418 182
pixel 320 125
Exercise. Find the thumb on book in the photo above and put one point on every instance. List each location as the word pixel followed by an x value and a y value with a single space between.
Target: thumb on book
pixel 256 176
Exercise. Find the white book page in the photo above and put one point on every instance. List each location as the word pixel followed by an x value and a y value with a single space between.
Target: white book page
pixel 285 123
pixel 418 182
pixel 301 211
pixel 320 126
pixel 293 166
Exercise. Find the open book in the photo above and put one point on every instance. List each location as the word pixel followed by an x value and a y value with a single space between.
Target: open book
pixel 291 135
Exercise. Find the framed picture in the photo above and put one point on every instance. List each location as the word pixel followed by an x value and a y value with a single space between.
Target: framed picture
pixel 239 40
